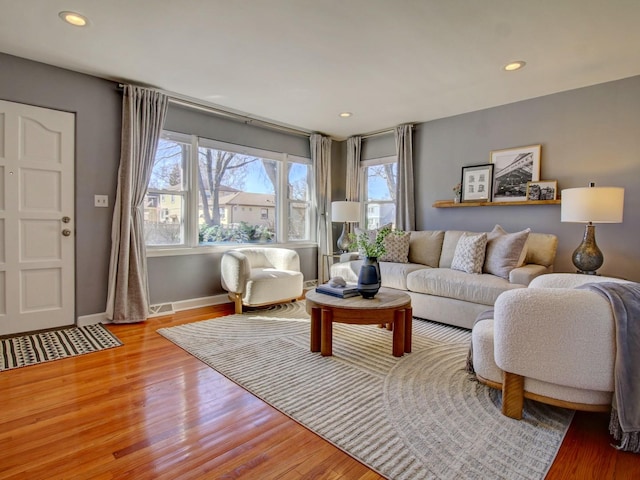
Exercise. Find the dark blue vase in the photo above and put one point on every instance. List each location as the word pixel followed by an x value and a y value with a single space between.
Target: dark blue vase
pixel 369 278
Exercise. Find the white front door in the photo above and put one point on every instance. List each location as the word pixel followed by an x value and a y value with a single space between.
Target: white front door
pixel 36 218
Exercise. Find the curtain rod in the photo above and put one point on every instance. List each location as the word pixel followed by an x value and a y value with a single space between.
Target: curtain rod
pixel 179 100
pixel 378 132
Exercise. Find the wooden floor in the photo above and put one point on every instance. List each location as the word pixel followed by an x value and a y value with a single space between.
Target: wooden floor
pixel 149 410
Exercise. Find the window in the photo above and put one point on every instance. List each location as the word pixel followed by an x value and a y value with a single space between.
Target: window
pixel 232 194
pixel 298 200
pixel 379 177
pixel 167 192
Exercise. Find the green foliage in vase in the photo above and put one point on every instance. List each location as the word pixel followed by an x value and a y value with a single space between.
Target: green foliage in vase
pixel 372 248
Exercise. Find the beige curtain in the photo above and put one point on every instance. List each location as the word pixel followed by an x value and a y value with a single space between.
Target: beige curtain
pixel 353 168
pixel 321 157
pixel 405 202
pixel 143 113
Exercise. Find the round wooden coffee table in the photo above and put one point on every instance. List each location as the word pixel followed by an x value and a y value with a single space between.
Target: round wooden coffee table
pixel 387 307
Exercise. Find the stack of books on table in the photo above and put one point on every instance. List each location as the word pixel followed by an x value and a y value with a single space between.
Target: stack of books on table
pixel 340 292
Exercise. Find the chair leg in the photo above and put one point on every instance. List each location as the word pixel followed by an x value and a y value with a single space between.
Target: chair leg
pixel 237 300
pixel 512 395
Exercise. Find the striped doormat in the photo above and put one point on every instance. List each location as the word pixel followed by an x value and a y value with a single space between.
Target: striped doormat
pixel 41 347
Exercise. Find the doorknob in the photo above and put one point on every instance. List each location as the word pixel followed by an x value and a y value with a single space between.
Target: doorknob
pixel 66 232
pixel 66 219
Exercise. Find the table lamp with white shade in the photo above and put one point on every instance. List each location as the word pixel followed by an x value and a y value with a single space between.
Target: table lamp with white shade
pixel 591 205
pixel 345 212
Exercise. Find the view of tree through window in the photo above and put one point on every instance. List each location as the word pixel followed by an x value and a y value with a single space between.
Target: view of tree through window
pixel 379 192
pixel 299 201
pixel 237 197
pixel 219 193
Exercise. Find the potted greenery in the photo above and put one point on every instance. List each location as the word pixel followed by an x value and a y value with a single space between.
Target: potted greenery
pixel 369 279
pixel 370 248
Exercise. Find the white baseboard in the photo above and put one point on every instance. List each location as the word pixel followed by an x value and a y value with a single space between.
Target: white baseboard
pixel 171 307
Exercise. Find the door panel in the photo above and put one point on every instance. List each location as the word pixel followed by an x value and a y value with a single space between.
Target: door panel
pixel 36 191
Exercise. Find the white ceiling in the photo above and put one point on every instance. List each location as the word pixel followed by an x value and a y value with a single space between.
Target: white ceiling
pixel 302 62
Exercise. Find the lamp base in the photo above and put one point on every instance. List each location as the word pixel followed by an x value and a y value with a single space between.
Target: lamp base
pixel 587 257
pixel 343 242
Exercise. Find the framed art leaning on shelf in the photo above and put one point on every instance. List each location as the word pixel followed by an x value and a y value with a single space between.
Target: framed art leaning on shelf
pixel 513 169
pixel 476 183
pixel 542 190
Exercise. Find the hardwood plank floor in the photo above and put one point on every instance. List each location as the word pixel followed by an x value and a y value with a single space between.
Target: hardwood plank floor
pixel 149 410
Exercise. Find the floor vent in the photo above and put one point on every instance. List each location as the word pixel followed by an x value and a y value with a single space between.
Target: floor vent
pixel 161 309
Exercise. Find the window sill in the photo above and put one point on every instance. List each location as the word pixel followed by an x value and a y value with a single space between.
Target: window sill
pixel 208 249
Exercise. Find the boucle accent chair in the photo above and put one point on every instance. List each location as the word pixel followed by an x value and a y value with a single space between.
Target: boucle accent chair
pixel 551 343
pixel 261 276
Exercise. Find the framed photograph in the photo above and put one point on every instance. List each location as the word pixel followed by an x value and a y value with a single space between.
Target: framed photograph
pixel 476 183
pixel 542 190
pixel 513 169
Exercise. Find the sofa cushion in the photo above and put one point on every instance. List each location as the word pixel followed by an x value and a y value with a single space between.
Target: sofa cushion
pixel 541 249
pixel 444 282
pixel 470 253
pixel 504 251
pixel 425 247
pixel 396 246
pixel 392 275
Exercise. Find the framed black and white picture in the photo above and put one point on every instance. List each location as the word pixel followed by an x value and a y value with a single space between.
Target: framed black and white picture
pixel 513 169
pixel 542 190
pixel 476 183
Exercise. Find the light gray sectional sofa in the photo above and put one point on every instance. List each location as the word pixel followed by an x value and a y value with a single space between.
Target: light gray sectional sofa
pixel 450 295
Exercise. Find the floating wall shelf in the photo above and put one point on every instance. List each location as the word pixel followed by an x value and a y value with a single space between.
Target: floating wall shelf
pixel 452 204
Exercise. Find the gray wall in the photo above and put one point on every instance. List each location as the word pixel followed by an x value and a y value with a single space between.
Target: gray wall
pixel 97 106
pixel 589 134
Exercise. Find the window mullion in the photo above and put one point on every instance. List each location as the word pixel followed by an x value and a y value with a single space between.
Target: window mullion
pixel 191 217
pixel 282 193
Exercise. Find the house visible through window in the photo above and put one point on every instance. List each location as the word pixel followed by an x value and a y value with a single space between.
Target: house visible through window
pixel 232 194
pixel 167 192
pixel 378 191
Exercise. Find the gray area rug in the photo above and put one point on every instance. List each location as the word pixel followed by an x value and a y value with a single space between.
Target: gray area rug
pixel 25 350
pixel 415 417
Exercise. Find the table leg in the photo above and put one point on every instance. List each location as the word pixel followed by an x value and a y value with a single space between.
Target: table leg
pixel 326 333
pixel 398 332
pixel 315 330
pixel 408 329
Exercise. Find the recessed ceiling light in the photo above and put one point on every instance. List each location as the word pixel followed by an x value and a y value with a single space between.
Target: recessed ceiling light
pixel 513 66
pixel 74 18
pixel 346 114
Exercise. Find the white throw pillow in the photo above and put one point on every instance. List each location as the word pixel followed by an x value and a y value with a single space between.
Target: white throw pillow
pixel 469 254
pixel 505 251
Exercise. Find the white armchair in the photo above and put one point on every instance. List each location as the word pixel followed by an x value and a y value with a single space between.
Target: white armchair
pixel 549 342
pixel 261 276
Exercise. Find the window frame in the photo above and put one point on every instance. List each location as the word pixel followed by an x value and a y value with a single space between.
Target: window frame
pixel 191 243
pixel 364 202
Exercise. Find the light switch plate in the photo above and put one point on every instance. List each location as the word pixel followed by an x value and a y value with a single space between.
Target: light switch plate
pixel 101 200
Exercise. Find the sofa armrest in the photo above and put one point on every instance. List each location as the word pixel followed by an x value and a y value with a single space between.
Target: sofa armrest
pixel 523 275
pixel 557 335
pixel 235 271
